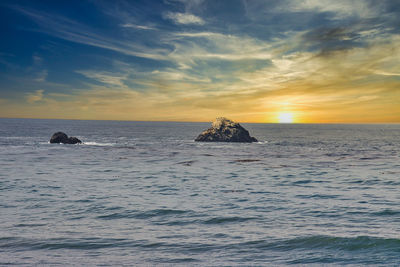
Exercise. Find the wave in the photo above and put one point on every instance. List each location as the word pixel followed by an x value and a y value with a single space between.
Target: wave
pixel 316 243
pixel 387 212
pixel 29 224
pixel 174 217
pixel 321 242
pixel 223 220
pixel 142 215
pixel 246 160
pixel 60 243
pixel 210 221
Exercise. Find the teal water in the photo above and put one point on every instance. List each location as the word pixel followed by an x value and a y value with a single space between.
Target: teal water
pixel 144 193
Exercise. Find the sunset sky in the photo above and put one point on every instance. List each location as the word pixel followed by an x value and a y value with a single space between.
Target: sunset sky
pixel 306 61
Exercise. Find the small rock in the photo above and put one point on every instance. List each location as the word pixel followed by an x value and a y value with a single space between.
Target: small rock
pixel 73 140
pixel 225 130
pixel 60 137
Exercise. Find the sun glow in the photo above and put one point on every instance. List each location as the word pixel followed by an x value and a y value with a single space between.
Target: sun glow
pixel 285 118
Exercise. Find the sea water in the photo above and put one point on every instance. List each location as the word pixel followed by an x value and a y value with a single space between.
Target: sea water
pixel 144 193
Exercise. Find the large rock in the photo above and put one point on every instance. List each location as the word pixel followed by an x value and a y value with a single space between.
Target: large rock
pixel 60 137
pixel 224 130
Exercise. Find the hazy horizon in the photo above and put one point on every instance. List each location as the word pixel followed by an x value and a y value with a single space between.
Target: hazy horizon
pixel 210 121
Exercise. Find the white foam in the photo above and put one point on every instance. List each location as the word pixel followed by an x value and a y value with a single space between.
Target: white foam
pixel 97 144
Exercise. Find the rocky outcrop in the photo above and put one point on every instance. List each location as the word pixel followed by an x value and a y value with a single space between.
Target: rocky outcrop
pixel 225 130
pixel 60 137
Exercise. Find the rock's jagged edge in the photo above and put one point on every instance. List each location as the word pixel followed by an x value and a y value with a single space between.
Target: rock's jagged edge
pixel 225 130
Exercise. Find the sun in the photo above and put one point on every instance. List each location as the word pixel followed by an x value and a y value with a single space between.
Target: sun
pixel 285 118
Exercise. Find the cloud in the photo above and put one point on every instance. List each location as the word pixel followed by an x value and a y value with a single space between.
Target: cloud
pixel 244 72
pixel 362 99
pixel 184 18
pixel 191 4
pixel 107 78
pixel 179 76
pixel 210 45
pixel 340 8
pixel 386 73
pixel 37 60
pixel 139 27
pixel 227 68
pixel 41 76
pixel 71 30
pixel 35 96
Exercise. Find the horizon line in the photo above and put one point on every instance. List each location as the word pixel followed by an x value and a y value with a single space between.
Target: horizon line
pixel 29 118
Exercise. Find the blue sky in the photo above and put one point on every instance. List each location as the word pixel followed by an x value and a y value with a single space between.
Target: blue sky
pixel 322 61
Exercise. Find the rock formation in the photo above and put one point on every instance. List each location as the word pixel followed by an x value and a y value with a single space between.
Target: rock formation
pixel 60 137
pixel 225 130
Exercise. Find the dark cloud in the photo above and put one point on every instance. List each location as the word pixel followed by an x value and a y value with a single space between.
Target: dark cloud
pixel 326 39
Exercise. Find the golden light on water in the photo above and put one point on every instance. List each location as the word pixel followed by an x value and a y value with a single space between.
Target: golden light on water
pixel 285 117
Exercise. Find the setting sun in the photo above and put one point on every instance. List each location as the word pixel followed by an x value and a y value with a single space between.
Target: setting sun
pixel 285 118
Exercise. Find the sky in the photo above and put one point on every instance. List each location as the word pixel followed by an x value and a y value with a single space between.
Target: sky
pixel 266 61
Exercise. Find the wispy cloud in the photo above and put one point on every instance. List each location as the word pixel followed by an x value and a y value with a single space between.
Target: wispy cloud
pixel 339 8
pixel 309 57
pixel 184 18
pixel 107 78
pixel 386 73
pixel 138 27
pixel 41 76
pixel 37 60
pixel 35 96
pixel 70 30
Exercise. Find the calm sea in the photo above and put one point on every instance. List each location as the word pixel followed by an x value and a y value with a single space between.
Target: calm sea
pixel 144 193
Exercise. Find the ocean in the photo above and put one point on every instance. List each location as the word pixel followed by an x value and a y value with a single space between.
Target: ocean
pixel 144 193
